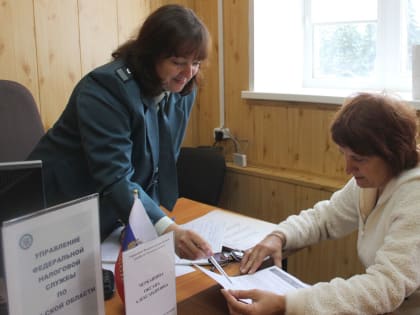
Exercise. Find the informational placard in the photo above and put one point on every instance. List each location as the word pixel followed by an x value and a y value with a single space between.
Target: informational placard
pixel 53 262
pixel 149 277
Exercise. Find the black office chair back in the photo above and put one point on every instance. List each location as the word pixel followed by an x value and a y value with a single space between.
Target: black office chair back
pixel 20 122
pixel 201 173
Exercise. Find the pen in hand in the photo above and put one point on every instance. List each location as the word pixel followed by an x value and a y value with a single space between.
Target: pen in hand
pixel 219 268
pixel 205 250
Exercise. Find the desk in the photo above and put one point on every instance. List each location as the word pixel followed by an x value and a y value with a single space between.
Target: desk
pixel 194 291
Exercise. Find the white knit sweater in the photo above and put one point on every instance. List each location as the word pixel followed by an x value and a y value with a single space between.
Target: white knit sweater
pixel 388 246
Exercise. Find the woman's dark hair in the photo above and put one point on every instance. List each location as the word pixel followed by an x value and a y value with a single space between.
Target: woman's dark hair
pixel 378 124
pixel 171 30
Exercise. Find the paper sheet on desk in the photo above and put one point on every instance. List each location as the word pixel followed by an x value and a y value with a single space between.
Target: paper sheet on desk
pixel 241 232
pixel 111 246
pixel 212 230
pixel 271 279
pixel 220 227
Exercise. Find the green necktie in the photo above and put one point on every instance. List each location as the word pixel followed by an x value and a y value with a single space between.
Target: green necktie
pixel 163 186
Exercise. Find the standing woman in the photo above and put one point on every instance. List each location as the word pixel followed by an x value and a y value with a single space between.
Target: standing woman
pixel 124 124
pixel 377 136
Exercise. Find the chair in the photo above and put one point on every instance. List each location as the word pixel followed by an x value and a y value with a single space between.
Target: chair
pixel 20 122
pixel 201 172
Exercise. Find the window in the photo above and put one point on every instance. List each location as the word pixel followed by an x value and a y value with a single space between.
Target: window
pixel 358 44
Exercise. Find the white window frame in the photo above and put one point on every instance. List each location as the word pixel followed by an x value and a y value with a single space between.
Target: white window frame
pixel 315 93
pixel 388 75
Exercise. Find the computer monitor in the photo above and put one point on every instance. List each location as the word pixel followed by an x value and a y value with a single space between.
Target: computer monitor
pixel 21 188
pixel 21 192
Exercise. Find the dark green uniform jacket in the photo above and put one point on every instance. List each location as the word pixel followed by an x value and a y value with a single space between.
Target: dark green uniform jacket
pixel 101 144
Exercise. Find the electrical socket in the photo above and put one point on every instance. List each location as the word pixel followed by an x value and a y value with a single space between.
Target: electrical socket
pixel 221 133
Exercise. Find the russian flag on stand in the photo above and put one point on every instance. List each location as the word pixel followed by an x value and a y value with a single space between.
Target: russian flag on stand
pixel 139 229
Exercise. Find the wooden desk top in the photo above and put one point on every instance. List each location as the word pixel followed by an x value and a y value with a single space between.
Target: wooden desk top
pixel 194 291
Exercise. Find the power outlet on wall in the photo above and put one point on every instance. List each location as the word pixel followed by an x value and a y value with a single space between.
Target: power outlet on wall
pixel 221 133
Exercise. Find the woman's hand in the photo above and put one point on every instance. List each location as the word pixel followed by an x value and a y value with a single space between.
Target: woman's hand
pixel 188 244
pixel 271 246
pixel 264 302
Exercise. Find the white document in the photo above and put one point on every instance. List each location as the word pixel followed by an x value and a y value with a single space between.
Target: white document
pixel 149 281
pixel 110 247
pixel 242 232
pixel 53 262
pixel 271 279
pixel 222 228
pixel 212 230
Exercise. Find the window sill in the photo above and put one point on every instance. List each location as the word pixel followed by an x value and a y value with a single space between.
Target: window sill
pixel 333 97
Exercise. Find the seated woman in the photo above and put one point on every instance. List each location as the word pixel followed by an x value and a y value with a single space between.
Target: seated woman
pixel 377 137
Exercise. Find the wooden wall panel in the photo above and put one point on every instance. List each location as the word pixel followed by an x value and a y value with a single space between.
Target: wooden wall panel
pixel 271 141
pixel 17 44
pixel 48 45
pixel 208 106
pixel 238 113
pixel 131 15
pixel 98 28
pixel 289 135
pixel 257 197
pixel 58 54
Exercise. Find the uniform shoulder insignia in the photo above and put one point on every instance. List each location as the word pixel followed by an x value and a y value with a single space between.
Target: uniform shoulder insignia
pixel 124 74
